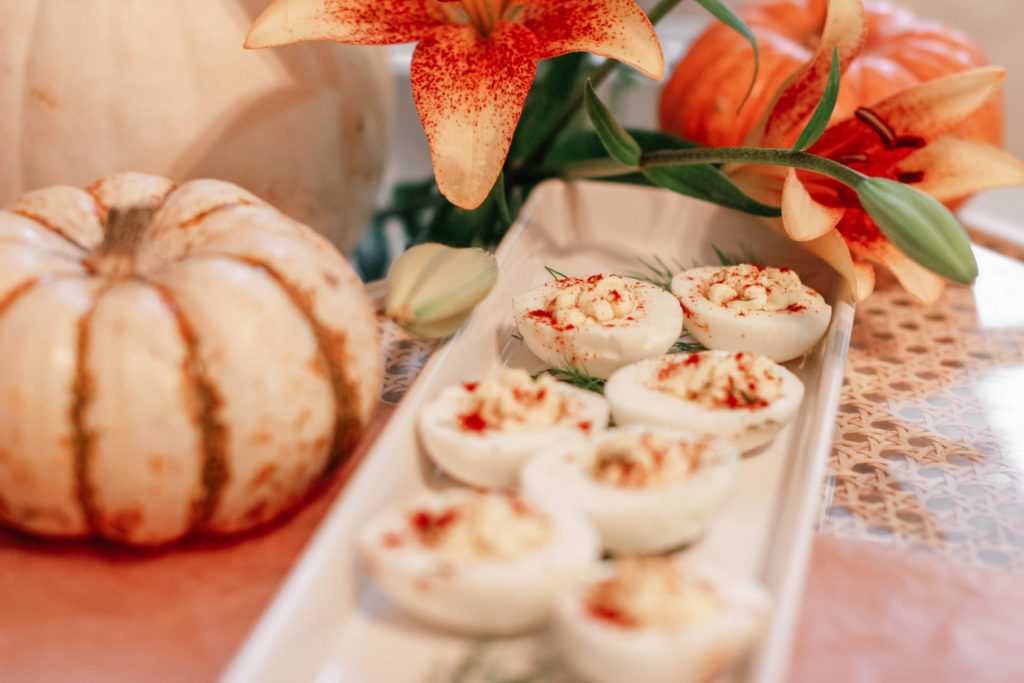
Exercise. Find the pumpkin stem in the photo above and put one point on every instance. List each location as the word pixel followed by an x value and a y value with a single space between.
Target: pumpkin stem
pixel 122 235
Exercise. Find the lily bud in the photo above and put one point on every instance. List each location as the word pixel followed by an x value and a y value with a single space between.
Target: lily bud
pixel 921 227
pixel 432 288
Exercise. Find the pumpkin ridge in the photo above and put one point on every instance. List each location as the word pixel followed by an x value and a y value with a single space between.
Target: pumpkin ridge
pixel 347 425
pixel 26 286
pixel 82 438
pixel 203 215
pixel 206 417
pixel 14 241
pixel 49 226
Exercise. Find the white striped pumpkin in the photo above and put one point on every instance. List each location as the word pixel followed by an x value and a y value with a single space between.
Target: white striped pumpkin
pixel 176 360
pixel 92 87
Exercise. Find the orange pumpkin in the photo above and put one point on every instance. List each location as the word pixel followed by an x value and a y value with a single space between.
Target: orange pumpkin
pixel 701 101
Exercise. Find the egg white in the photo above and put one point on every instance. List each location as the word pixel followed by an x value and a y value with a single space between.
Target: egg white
pixel 629 393
pixel 636 519
pixel 598 349
pixel 492 458
pixel 779 335
pixel 603 652
pixel 478 596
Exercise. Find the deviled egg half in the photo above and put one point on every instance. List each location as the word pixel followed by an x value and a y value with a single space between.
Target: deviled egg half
pixel 659 620
pixel 739 396
pixel 477 562
pixel 646 489
pixel 597 324
pixel 482 432
pixel 765 310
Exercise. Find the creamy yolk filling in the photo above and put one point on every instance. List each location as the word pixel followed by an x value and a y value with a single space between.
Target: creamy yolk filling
pixel 488 526
pixel 596 300
pixel 636 460
pixel 651 592
pixel 739 380
pixel 514 402
pixel 749 287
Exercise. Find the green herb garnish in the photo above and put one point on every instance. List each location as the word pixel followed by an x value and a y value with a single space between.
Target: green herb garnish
pixel 576 377
pixel 660 273
pixel 482 664
pixel 686 344
pixel 554 273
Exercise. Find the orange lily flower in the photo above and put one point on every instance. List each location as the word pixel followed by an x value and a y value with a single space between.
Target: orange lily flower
pixel 904 137
pixel 474 62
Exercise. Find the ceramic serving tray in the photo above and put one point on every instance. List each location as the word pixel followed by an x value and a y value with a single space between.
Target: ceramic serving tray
pixel 329 622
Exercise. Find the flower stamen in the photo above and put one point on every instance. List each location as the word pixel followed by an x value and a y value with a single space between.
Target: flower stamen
pixel 483 15
pixel 909 177
pixel 889 138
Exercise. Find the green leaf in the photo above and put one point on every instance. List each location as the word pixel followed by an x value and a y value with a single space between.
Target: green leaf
pixel 498 192
pixel 458 227
pixel 619 144
pixel 371 256
pixel 703 181
pixel 729 18
pixel 584 145
pixel 823 112
pixel 546 101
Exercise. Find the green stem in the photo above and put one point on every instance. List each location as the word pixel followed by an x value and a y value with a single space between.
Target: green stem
pixel 754 155
pixel 659 11
pixel 575 104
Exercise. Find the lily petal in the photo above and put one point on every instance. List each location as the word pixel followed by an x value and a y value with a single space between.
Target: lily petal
pixel 803 217
pixel 833 250
pixel 359 22
pixel 954 168
pixel 928 110
pixel 469 93
pixel 617 29
pixel 922 284
pixel 845 31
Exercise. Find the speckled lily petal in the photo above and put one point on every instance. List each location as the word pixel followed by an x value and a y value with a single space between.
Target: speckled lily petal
pixel 929 111
pixel 469 94
pixel 845 30
pixel 360 22
pixel 955 168
pixel 618 29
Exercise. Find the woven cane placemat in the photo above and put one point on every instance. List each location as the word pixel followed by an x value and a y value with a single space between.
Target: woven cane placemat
pixel 929 441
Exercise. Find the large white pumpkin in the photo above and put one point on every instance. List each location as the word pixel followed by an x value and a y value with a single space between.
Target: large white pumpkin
pixel 176 360
pixel 94 87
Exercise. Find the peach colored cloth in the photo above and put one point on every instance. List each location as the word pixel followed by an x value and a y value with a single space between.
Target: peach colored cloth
pixel 877 614
pixel 89 612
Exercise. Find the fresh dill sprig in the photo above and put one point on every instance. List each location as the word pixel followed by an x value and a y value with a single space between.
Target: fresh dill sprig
pixel 686 344
pixel 735 259
pixel 659 273
pixel 479 666
pixel 576 377
pixel 472 661
pixel 554 273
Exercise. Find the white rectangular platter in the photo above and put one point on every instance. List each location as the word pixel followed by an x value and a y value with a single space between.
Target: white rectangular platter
pixel 330 623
